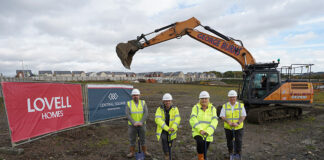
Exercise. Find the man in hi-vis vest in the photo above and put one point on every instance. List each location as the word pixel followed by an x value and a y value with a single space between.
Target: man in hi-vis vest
pixel 233 113
pixel 167 119
pixel 136 112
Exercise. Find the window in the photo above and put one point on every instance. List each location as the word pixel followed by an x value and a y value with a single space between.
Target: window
pixel 273 80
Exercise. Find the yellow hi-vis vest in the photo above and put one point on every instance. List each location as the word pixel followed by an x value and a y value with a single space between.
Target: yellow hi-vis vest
pixel 233 116
pixel 173 123
pixel 136 112
pixel 203 120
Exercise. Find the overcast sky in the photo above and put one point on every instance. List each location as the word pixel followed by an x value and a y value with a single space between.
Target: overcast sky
pixel 83 34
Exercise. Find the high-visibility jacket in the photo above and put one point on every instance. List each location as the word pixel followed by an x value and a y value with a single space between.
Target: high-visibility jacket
pixel 203 120
pixel 233 116
pixel 136 112
pixel 173 123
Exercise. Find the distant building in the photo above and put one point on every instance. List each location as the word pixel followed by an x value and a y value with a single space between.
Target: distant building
pixel 119 74
pixel 192 75
pixel 45 73
pixel 141 75
pixel 78 74
pixel 91 74
pixel 211 75
pixel 178 74
pixel 105 74
pixel 24 73
pixel 168 74
pixel 130 74
pixel 62 73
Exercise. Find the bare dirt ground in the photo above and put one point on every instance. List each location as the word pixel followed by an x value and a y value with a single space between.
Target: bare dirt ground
pixel 289 139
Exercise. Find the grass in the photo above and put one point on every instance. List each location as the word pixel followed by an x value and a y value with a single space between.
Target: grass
pixel 310 119
pixel 296 130
pixel 319 97
pixel 322 128
pixel 1 104
pixel 310 147
pixel 102 142
pixel 190 90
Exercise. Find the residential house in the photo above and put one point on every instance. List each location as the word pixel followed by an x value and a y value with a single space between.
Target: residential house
pixel 62 74
pixel 24 73
pixel 119 74
pixel 178 74
pixel 130 74
pixel 78 74
pixel 45 73
pixel 91 74
pixel 168 74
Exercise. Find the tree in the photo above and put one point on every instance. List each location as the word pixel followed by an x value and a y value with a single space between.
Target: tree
pixel 238 74
pixel 218 74
pixel 228 74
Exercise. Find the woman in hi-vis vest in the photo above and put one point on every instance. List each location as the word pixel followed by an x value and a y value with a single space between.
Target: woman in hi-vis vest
pixel 203 121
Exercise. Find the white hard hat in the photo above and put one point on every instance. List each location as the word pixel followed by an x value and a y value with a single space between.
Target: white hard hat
pixel 135 92
pixel 232 93
pixel 167 97
pixel 204 94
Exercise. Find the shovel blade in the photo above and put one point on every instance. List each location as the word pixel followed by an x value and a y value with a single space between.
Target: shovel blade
pixel 126 51
pixel 235 157
pixel 140 156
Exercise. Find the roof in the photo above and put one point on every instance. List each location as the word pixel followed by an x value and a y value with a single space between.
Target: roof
pixel 119 73
pixel 62 72
pixel 26 72
pixel 45 72
pixel 77 72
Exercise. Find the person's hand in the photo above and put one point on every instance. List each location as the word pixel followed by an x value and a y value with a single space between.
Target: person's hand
pixel 171 130
pixel 235 124
pixel 231 124
pixel 136 124
pixel 203 132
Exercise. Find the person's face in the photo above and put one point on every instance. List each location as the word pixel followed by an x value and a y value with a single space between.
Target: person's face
pixel 167 104
pixel 204 101
pixel 232 100
pixel 135 97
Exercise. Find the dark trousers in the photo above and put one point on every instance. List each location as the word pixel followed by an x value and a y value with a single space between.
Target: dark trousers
pixel 133 133
pixel 238 140
pixel 201 144
pixel 165 145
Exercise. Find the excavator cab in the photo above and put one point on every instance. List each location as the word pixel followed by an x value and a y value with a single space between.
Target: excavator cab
pixel 259 81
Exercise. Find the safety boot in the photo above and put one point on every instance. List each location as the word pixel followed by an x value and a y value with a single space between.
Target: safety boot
pixel 145 151
pixel 132 152
pixel 201 156
pixel 166 156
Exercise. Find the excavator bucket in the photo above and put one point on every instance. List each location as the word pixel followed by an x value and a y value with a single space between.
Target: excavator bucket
pixel 126 51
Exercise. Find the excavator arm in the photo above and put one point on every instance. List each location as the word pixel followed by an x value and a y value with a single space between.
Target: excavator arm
pixel 224 44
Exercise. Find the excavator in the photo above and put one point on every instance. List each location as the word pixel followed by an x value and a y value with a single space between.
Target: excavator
pixel 266 96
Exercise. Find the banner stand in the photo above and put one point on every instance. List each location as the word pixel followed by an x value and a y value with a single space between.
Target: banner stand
pixel 4 105
pixel 85 101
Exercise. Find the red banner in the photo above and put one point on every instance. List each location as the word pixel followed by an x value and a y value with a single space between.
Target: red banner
pixel 38 108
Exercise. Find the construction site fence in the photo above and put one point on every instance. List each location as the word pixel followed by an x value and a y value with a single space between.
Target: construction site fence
pixel 87 121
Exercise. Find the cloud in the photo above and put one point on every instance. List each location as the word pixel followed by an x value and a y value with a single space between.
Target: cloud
pixel 298 39
pixel 83 34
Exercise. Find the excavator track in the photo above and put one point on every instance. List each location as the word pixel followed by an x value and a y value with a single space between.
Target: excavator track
pixel 266 114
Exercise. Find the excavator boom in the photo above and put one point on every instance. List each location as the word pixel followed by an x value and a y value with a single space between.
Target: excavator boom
pixel 262 85
pixel 224 44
